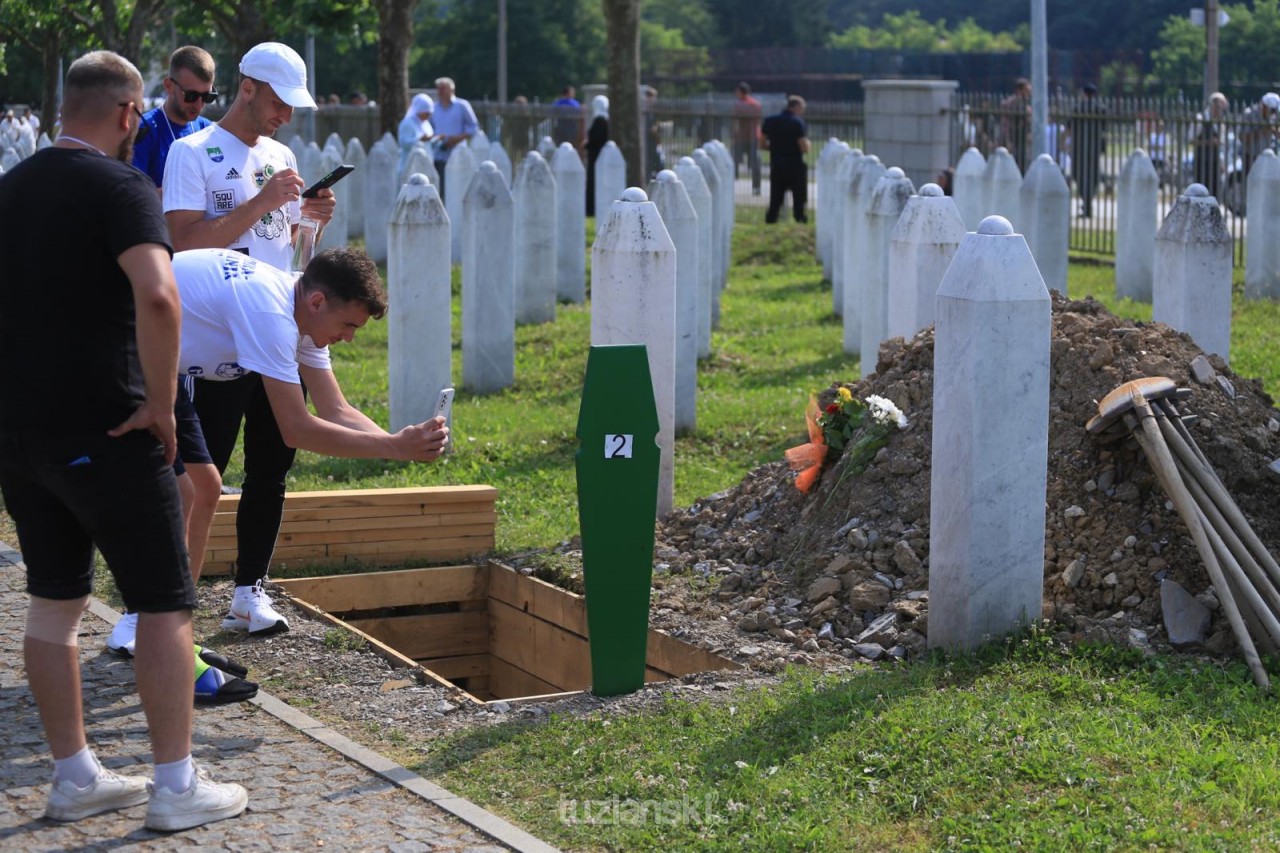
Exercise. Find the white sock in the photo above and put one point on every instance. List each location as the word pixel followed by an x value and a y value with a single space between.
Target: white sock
pixel 79 769
pixel 175 775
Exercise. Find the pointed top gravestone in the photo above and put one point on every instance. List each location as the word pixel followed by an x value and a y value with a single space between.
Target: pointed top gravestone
pixel 1137 219
pixel 419 330
pixel 354 189
pixel 297 145
pixel 334 140
pixel 535 233
pixel 571 230
pixel 831 156
pixel 671 198
pixel 459 169
pixel 888 200
pixel 969 189
pixel 611 177
pixel 633 301
pixel 839 187
pixel 311 163
pixel 498 155
pixel 1192 284
pixel 1044 205
pixel 711 175
pixel 547 147
pixel 419 163
pixel 699 193
pixel 334 235
pixel 488 282
pixel 1002 184
pixel 867 172
pixel 1262 239
pixel 380 193
pixel 479 145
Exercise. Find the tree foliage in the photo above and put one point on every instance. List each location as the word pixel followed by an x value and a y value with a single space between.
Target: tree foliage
pixel 911 32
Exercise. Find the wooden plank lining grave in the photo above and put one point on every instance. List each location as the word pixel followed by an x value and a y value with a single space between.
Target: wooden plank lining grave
pixel 484 628
pixel 374 527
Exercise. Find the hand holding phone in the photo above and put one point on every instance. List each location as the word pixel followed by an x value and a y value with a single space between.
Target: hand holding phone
pixel 444 409
pixel 328 180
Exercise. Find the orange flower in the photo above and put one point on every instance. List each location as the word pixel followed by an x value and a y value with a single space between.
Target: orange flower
pixel 807 459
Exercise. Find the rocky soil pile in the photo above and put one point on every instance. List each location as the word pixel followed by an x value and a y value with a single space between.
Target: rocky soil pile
pixel 845 569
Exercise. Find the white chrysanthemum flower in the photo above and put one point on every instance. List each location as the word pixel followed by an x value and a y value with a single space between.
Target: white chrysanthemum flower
pixel 886 412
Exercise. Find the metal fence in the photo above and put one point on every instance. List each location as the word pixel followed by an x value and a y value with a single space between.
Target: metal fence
pixel 1184 146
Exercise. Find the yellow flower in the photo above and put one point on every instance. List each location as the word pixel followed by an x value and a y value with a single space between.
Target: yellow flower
pixel 844 394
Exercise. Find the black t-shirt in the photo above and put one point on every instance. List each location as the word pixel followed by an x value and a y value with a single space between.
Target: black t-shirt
pixel 68 350
pixel 784 132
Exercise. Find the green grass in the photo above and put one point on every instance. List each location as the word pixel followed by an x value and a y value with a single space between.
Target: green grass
pixel 1028 745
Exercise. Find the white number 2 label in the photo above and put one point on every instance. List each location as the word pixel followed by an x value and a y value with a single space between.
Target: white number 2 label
pixel 617 446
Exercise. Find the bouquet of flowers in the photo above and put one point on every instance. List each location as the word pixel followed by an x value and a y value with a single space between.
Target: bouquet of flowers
pixel 863 427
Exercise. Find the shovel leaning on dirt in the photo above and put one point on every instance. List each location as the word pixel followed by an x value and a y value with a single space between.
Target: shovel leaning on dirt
pixel 1243 572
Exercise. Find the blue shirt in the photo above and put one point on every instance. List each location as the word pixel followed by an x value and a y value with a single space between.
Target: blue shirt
pixel 452 120
pixel 155 134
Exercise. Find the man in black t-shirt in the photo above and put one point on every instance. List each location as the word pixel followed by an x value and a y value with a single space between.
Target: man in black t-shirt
pixel 786 138
pixel 93 466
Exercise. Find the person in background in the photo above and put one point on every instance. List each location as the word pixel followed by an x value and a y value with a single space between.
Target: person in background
pixel 1088 142
pixel 786 138
pixel 1015 122
pixel 653 160
pixel 188 89
pixel 94 469
pixel 455 123
pixel 568 119
pixel 415 127
pixel 746 133
pixel 1207 157
pixel 597 136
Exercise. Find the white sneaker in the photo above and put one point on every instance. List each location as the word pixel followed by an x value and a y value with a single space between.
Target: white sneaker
pixel 124 635
pixel 251 611
pixel 204 802
pixel 107 792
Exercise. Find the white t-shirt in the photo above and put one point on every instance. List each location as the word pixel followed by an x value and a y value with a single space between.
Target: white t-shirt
pixel 237 317
pixel 213 171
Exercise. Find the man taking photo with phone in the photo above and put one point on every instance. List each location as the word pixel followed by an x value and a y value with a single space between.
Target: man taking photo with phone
pixel 232 186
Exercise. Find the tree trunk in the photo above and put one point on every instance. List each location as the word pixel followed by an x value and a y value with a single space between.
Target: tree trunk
pixel 50 53
pixel 622 40
pixel 395 38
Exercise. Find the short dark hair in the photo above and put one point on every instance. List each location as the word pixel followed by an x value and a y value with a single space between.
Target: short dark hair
pixel 347 275
pixel 744 88
pixel 95 82
pixel 794 101
pixel 195 59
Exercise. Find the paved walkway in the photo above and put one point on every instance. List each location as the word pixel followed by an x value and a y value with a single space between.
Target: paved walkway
pixel 309 787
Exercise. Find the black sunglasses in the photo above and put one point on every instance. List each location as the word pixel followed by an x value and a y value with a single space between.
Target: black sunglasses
pixel 191 97
pixel 137 111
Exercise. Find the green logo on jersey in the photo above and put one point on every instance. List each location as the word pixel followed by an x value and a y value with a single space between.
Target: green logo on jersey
pixel 215 154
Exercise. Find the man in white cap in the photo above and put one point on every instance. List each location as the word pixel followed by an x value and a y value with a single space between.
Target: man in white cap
pixel 1258 128
pixel 232 186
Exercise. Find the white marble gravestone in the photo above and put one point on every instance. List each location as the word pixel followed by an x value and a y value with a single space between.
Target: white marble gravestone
pixel 1262 239
pixel 867 172
pixel 419 324
pixel 968 188
pixel 1137 219
pixel 380 189
pixel 535 230
pixel 311 164
pixel 724 162
pixel 353 187
pixel 699 193
pixel 498 155
pixel 419 162
pixel 633 301
pixel 841 186
pixel 488 283
pixel 1044 205
pixel 611 176
pixel 459 169
pixel 921 247
pixel 669 195
pixel 571 231
pixel 711 175
pixel 824 182
pixel 1192 286
pixel 1002 186
pixel 479 145
pixel 990 441
pixel 888 200
pixel 298 146
pixel 334 140
pixel 547 148
pixel 334 234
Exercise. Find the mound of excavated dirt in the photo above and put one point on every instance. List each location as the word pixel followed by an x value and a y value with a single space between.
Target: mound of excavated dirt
pixel 845 568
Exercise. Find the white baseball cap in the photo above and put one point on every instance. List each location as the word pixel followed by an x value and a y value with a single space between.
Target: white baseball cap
pixel 1271 100
pixel 280 66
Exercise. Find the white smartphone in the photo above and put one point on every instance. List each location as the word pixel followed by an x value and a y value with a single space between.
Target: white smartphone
pixel 444 405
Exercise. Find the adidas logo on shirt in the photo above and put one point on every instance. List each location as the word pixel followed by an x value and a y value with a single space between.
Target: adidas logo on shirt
pixel 233 175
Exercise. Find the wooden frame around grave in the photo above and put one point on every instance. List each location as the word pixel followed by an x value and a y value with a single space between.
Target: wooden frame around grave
pixel 484 628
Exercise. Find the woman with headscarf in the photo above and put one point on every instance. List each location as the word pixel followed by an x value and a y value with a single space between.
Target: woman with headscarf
pixel 597 136
pixel 416 126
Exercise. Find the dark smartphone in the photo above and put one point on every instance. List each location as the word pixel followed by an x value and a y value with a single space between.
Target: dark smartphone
pixel 328 180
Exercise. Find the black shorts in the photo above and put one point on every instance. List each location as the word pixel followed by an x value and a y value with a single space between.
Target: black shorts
pixel 67 494
pixel 192 449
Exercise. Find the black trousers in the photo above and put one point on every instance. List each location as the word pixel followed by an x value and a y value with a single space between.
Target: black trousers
pixel 267 460
pixel 783 176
